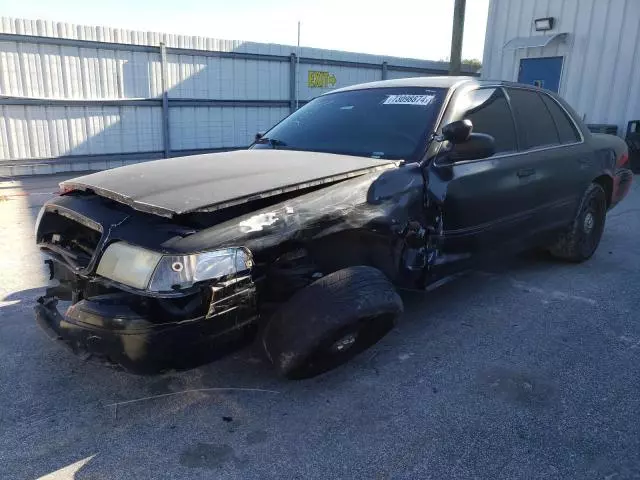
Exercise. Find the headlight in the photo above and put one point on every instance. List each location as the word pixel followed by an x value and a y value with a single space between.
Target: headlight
pixel 128 264
pixel 144 269
pixel 180 271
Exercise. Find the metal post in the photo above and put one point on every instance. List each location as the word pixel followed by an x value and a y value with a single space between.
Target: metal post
pixel 293 81
pixel 455 60
pixel 385 70
pixel 298 67
pixel 165 100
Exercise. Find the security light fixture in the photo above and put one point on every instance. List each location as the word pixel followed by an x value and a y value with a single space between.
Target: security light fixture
pixel 543 24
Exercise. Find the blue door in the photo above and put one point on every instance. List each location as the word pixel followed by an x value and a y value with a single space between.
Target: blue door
pixel 541 72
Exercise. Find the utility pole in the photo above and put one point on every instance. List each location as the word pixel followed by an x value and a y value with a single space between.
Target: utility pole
pixel 298 69
pixel 455 59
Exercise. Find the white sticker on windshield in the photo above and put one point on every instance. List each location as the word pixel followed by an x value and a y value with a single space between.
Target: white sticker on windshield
pixel 423 100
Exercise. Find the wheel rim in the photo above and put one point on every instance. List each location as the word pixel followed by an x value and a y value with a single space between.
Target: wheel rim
pixel 343 344
pixel 588 223
pixel 592 225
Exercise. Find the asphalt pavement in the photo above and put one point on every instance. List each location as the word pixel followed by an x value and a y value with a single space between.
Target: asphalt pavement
pixel 529 369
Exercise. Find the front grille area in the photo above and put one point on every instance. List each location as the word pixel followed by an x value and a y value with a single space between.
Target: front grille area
pixel 73 240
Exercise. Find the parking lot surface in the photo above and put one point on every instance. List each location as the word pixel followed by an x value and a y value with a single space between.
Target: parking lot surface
pixel 529 369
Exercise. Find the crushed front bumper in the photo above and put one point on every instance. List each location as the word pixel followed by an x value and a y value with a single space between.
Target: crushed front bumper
pixel 136 329
pixel 108 331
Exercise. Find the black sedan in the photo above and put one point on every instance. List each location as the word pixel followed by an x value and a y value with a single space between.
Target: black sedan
pixel 304 237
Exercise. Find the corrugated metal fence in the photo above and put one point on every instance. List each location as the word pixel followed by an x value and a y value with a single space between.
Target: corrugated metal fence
pixel 78 98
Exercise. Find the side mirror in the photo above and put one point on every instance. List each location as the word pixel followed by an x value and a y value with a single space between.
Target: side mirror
pixel 477 145
pixel 259 135
pixel 457 132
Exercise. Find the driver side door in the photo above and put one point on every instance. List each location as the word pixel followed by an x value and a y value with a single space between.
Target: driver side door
pixel 487 204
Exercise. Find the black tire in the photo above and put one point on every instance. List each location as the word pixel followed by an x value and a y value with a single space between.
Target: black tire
pixel 580 242
pixel 330 321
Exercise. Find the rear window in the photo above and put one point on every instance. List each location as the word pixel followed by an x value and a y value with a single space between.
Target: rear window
pixel 566 129
pixel 388 123
pixel 535 126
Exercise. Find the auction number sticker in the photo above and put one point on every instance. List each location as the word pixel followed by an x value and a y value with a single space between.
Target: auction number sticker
pixel 423 100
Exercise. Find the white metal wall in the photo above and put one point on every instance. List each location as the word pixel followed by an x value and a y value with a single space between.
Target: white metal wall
pixel 225 78
pixel 601 69
pixel 53 131
pixel 195 128
pixel 54 95
pixel 51 71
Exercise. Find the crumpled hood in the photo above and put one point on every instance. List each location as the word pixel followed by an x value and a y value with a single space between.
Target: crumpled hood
pixel 217 180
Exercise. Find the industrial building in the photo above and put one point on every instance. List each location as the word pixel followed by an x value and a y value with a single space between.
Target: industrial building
pixel 586 50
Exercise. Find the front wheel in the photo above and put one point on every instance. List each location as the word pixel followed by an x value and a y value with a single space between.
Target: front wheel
pixel 330 321
pixel 580 242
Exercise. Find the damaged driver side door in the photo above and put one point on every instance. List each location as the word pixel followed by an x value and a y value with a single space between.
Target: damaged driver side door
pixel 486 204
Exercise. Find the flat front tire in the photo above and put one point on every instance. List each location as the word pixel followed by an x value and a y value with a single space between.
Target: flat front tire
pixel 330 321
pixel 580 242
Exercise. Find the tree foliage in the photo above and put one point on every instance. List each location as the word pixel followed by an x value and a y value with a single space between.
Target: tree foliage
pixel 473 62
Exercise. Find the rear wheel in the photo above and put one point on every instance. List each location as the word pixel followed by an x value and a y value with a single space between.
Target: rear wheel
pixel 330 321
pixel 580 242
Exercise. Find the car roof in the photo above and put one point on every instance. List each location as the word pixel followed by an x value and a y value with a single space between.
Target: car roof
pixel 429 82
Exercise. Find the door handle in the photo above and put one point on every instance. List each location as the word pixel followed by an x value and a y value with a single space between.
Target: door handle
pixel 526 172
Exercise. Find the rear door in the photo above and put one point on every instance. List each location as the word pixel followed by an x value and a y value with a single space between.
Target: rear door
pixel 573 172
pixel 553 145
pixel 489 203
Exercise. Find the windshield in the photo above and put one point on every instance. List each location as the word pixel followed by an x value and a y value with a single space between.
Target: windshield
pixel 389 123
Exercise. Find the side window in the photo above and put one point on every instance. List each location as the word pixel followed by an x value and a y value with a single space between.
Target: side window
pixel 489 112
pixel 566 128
pixel 535 125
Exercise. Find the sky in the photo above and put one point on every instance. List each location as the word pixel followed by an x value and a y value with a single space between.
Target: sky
pixel 404 28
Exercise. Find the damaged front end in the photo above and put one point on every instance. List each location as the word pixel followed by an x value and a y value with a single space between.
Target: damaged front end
pixel 148 291
pixel 141 307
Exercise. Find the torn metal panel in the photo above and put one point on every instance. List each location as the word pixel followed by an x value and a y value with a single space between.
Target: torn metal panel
pixel 375 200
pixel 359 221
